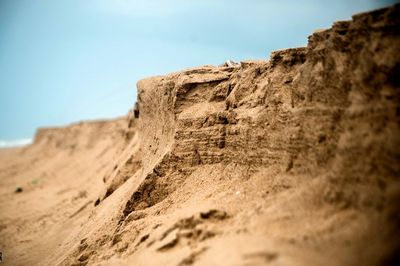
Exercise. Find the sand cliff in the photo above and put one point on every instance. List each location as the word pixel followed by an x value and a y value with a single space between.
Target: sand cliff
pixel 288 161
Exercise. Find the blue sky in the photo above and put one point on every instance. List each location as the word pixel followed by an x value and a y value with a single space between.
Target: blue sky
pixel 69 60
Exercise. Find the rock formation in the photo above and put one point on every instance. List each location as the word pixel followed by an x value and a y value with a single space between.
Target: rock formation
pixel 293 160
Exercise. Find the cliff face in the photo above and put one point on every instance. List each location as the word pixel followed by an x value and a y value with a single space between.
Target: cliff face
pixel 329 109
pixel 292 160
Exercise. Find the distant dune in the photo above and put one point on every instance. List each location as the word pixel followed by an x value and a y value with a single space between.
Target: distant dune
pixel 288 161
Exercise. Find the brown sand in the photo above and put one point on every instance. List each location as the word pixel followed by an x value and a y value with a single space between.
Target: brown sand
pixel 290 161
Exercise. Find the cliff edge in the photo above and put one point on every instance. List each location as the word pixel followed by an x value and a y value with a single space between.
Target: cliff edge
pixel 293 160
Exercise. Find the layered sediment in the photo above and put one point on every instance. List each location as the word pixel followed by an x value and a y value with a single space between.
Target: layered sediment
pixel 292 160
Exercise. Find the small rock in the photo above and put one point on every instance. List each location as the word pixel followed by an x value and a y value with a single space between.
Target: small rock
pixel 18 190
pixel 230 63
pixel 83 257
pixel 214 214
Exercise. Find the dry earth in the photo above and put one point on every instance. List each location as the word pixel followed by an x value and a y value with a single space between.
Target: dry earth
pixel 288 161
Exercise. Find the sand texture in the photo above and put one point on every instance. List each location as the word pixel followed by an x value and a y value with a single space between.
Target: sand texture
pixel 293 160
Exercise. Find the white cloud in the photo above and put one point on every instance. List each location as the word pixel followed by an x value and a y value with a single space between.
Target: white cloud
pixel 14 143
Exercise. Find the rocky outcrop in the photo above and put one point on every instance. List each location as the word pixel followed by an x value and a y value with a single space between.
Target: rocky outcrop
pixel 328 111
pixel 323 118
pixel 311 110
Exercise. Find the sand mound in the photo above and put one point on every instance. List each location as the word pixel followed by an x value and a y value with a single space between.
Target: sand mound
pixel 287 161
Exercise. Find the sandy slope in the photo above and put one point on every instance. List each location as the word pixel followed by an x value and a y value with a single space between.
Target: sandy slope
pixel 290 161
pixel 59 176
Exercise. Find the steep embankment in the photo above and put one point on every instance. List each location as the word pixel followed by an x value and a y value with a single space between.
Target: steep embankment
pixel 290 161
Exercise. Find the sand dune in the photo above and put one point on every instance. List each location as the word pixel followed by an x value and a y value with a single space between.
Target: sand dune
pixel 288 161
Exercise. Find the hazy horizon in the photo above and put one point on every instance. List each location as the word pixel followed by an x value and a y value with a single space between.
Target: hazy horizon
pixel 66 61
